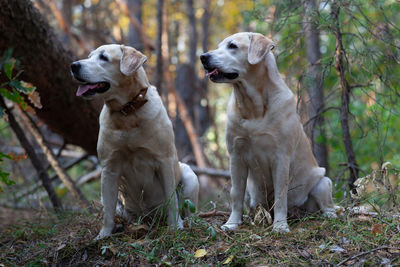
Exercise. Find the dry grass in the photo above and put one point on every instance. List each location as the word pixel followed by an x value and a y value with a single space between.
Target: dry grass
pixel 66 240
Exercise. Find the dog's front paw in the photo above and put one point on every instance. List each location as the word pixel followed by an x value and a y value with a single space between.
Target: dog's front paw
pixel 230 226
pixel 179 224
pixel 330 213
pixel 104 232
pixel 281 227
pixel 176 225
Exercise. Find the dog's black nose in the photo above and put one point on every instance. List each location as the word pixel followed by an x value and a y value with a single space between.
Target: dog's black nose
pixel 75 67
pixel 204 58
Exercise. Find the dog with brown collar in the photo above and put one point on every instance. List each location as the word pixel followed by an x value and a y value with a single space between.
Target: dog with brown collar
pixel 135 146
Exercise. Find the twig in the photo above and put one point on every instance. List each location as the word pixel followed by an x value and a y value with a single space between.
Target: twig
pixel 91 176
pixel 213 213
pixel 360 85
pixel 362 254
pixel 211 172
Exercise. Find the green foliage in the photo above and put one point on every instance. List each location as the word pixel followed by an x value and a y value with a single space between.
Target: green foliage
pixel 11 89
pixel 189 205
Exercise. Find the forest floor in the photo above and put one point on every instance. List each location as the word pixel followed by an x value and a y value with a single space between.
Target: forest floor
pixel 66 239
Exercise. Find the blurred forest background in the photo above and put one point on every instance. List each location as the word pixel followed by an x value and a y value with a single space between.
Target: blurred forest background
pixel 340 58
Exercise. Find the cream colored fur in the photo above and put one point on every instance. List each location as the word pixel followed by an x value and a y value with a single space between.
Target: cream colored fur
pixel 137 152
pixel 269 151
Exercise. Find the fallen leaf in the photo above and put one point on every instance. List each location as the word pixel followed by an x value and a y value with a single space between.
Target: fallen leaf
pixel 262 216
pixel 255 237
pixel 137 230
pixel 228 260
pixel 339 210
pixel 394 251
pixel 305 254
pixel 222 247
pixel 336 249
pixel 85 255
pixel 60 247
pixel 344 240
pixel 113 250
pixel 200 253
pixel 377 229
pixel 385 262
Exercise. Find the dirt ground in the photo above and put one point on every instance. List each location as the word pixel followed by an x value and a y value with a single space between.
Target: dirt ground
pixel 9 217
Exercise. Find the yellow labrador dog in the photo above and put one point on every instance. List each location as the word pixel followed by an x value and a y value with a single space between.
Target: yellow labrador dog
pixel 136 140
pixel 267 144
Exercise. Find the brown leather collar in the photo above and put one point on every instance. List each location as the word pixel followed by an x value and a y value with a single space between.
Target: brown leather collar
pixel 136 103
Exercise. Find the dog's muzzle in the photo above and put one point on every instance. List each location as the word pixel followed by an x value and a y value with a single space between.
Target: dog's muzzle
pixel 75 68
pixel 214 72
pixel 87 89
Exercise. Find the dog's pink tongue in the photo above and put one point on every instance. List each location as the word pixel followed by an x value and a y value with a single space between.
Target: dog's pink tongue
pixel 213 72
pixel 84 88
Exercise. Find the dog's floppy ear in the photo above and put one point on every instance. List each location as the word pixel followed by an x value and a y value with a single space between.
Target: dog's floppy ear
pixel 131 60
pixel 258 48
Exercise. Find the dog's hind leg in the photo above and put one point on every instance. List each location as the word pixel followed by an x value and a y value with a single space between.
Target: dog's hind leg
pixel 320 198
pixel 168 171
pixel 190 184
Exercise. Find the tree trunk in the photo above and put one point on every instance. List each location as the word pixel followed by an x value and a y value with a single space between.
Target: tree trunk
pixel 345 97
pixel 191 91
pixel 192 37
pixel 67 11
pixel 314 83
pixel 46 64
pixel 158 79
pixel 205 23
pixel 135 9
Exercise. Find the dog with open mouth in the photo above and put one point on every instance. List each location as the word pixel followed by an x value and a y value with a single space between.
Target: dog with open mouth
pixel 270 154
pixel 135 146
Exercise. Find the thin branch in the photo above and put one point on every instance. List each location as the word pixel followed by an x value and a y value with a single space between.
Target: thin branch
pixel 318 114
pixel 211 172
pixel 362 254
pixel 213 213
pixel 357 85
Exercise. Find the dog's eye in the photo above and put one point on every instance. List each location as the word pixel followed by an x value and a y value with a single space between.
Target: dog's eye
pixel 232 46
pixel 103 57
